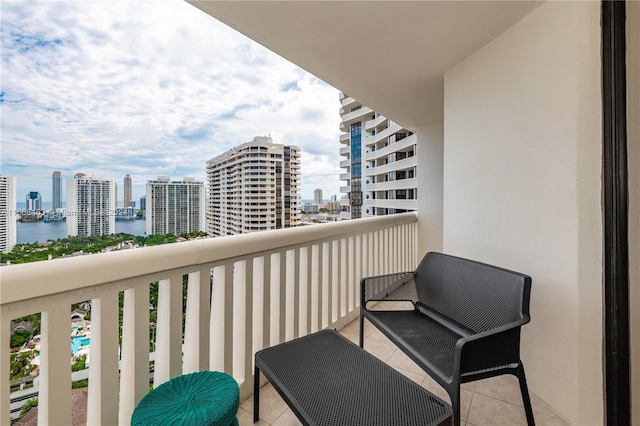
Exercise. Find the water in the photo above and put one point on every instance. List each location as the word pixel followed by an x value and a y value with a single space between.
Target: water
pixel 31 232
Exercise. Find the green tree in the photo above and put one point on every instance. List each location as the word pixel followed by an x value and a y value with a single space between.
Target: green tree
pixel 19 338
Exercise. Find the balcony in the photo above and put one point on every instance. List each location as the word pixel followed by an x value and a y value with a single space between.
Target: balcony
pixel 265 288
pixel 344 138
pixel 345 163
pixel 345 150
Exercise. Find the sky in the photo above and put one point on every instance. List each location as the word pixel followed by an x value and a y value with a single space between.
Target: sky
pixel 148 89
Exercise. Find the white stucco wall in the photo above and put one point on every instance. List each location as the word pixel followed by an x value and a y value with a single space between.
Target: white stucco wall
pixel 522 188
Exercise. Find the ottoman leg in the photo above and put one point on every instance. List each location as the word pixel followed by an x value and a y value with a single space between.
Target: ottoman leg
pixel 256 394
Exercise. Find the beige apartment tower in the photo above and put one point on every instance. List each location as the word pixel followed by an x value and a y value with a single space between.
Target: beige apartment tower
pixel 379 162
pixel 253 187
pixel 175 206
pixel 8 226
pixel 91 206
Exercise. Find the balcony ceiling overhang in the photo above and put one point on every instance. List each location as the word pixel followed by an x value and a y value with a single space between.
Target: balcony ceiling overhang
pixel 390 55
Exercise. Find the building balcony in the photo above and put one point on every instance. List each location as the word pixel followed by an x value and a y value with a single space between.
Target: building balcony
pixel 345 150
pixel 348 102
pixel 403 164
pixel 372 124
pixel 345 176
pixel 345 163
pixel 345 190
pixel 398 146
pixel 392 204
pixel 361 114
pixel 393 184
pixel 344 138
pixel 383 134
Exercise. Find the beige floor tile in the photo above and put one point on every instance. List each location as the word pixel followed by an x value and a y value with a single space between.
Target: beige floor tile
pixel 271 404
pixel 504 388
pixel 354 328
pixel 381 350
pixel 349 334
pixel 287 419
pixel 245 418
pixel 471 386
pixel 507 388
pixel 418 378
pixel 487 411
pixel 392 306
pixel 400 360
pixel 377 335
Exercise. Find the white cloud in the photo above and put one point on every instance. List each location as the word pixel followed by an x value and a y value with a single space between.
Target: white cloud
pixel 148 88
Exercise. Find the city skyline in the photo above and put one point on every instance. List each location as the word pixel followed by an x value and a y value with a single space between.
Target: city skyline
pixel 167 90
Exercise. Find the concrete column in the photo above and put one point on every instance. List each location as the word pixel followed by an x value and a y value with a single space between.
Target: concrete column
pixel 430 152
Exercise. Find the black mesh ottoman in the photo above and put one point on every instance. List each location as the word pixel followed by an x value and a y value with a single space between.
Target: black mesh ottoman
pixel 329 381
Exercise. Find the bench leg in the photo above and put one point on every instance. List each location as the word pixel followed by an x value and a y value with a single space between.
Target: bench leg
pixel 525 394
pixel 256 394
pixel 361 330
pixel 455 404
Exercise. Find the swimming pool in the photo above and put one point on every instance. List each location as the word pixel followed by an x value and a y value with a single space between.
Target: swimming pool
pixel 78 342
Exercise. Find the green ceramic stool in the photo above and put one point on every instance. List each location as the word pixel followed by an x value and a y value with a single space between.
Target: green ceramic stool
pixel 204 398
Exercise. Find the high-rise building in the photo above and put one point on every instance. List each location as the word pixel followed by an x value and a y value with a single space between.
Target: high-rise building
pixel 253 187
pixel 317 197
pixel 91 206
pixel 176 207
pixel 380 163
pixel 143 202
pixel 56 190
pixel 8 201
pixel 34 201
pixel 127 190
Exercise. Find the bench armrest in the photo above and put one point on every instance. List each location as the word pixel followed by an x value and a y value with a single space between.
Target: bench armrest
pixel 489 349
pixel 380 286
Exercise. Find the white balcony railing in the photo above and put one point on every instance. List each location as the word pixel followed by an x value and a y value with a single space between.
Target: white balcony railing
pixel 244 293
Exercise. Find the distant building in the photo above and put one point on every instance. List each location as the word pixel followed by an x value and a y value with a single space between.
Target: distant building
pixel 176 207
pixel 8 202
pixel 127 190
pixel 56 190
pixel 310 208
pixel 253 187
pixel 143 202
pixel 333 206
pixel 34 201
pixel 91 206
pixel 317 197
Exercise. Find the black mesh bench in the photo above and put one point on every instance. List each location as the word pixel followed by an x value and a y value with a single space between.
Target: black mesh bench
pixel 465 322
pixel 327 380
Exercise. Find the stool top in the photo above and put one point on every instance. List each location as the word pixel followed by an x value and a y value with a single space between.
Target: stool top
pixel 202 398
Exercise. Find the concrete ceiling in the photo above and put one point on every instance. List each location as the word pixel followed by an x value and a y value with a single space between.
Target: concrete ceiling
pixel 390 55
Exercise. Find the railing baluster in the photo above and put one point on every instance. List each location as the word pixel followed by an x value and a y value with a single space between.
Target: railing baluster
pixel 102 404
pixel 315 300
pixel 257 284
pixel 335 283
pixel 227 337
pixel 326 271
pixel 355 285
pixel 54 407
pixel 343 277
pixel 5 365
pixel 134 374
pixel 278 301
pixel 196 330
pixel 217 323
pixel 266 302
pixel 350 274
pixel 290 304
pixel 239 319
pixel 246 387
pixel 302 287
pixel 168 363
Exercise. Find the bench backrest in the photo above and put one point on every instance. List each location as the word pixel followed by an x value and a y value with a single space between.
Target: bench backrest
pixel 478 296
